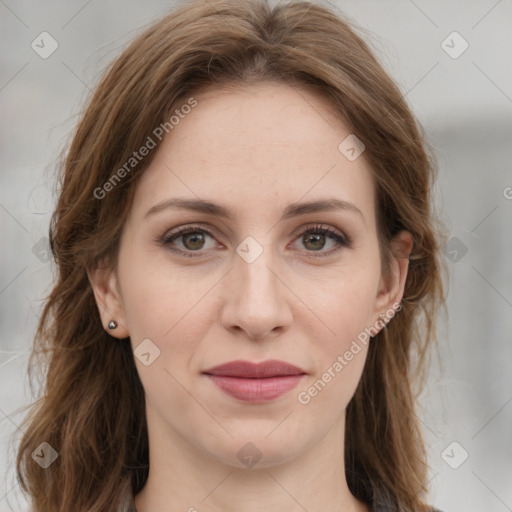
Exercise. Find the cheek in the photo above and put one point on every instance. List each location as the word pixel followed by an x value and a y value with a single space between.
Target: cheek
pixel 158 297
pixel 344 312
pixel 350 311
pixel 169 308
pixel 346 304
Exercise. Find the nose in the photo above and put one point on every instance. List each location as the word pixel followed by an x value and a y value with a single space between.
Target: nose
pixel 256 300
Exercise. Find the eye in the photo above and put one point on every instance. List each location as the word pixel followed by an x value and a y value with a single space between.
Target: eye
pixel 314 239
pixel 192 240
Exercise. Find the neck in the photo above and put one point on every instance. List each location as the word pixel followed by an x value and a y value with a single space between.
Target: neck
pixel 182 477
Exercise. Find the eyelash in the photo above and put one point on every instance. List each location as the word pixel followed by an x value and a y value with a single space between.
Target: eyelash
pixel 341 239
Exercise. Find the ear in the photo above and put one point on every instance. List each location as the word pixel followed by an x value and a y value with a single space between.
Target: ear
pixel 391 287
pixel 105 286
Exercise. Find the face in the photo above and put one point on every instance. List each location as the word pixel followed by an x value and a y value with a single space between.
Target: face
pixel 271 280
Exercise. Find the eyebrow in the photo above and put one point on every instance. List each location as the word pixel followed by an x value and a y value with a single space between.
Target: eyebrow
pixel 292 210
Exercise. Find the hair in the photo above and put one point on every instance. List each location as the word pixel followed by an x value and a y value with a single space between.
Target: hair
pixel 91 409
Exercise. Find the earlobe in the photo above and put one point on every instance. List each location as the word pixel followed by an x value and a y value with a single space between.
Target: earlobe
pixel 391 287
pixel 108 300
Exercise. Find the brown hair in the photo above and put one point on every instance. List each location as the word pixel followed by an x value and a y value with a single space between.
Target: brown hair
pixel 92 409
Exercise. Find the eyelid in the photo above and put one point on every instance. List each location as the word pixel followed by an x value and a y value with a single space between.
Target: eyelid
pixel 319 226
pixel 341 238
pixel 166 239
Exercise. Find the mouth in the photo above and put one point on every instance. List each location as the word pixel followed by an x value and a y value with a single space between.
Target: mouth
pixel 255 382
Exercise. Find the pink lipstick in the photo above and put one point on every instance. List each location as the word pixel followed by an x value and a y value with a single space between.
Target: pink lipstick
pixel 255 382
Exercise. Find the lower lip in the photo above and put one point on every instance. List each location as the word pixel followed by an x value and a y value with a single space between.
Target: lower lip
pixel 256 390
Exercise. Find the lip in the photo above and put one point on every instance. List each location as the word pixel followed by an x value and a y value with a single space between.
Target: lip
pixel 255 382
pixel 250 370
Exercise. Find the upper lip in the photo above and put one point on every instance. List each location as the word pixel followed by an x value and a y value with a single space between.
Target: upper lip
pixel 250 370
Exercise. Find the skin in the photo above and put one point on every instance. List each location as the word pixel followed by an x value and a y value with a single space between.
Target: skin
pixel 254 151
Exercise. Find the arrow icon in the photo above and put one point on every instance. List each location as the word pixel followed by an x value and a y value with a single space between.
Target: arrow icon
pixel 454 455
pixel 147 352
pixel 351 147
pixel 249 455
pixel 44 454
pixel 455 249
pixel 454 45
pixel 249 253
pixel 44 45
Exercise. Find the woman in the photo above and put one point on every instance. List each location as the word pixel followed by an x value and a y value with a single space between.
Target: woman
pixel 248 266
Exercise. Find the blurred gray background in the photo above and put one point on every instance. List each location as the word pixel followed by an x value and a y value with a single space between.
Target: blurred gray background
pixel 460 87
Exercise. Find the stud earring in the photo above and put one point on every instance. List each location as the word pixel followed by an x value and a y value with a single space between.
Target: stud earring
pixel 112 324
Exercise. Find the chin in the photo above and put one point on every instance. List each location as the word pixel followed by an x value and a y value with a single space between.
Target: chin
pixel 260 449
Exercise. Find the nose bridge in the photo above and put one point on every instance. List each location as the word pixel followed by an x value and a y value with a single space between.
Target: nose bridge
pixel 257 302
pixel 257 281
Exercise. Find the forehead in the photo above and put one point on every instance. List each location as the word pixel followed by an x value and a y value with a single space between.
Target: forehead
pixel 273 142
